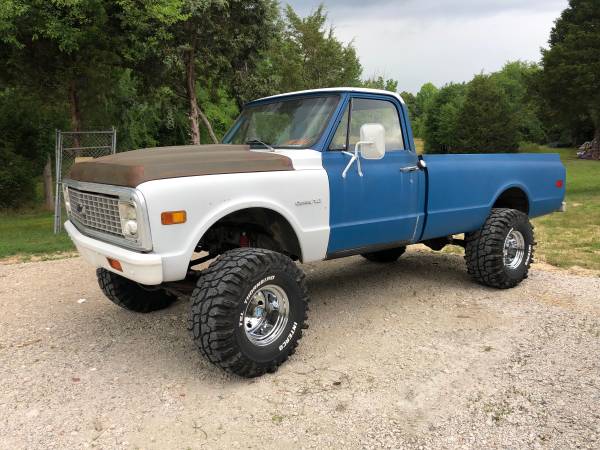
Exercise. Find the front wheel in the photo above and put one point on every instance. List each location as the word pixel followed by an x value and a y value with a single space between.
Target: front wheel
pixel 248 310
pixel 500 253
pixel 131 295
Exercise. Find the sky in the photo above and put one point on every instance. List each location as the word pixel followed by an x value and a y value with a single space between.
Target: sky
pixel 416 41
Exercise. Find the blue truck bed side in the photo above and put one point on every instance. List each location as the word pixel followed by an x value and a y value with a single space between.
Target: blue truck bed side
pixel 463 188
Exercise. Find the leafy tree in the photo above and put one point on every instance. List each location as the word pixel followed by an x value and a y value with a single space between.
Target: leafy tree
pixel 425 97
pixel 441 122
pixel 378 82
pixel 310 56
pixel 423 102
pixel 486 123
pixel 57 50
pixel 201 44
pixel 514 79
pixel 570 81
pixel 410 101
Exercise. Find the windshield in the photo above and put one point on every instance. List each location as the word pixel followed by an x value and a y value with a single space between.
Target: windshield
pixel 288 123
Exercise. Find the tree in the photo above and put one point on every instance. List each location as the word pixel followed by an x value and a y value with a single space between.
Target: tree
pixel 570 80
pixel 515 79
pixel 54 50
pixel 200 47
pixel 423 102
pixel 486 123
pixel 410 101
pixel 378 82
pixel 441 122
pixel 310 56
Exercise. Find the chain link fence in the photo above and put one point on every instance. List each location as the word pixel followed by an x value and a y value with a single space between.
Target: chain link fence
pixel 77 146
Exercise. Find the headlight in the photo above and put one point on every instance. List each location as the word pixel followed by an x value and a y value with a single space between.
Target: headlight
pixel 129 225
pixel 67 199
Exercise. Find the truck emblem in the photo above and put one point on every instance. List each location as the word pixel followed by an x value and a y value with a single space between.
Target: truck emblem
pixel 80 209
pixel 315 201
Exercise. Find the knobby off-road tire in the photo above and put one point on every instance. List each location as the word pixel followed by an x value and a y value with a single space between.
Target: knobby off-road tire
pixel 385 256
pixel 130 295
pixel 490 252
pixel 231 298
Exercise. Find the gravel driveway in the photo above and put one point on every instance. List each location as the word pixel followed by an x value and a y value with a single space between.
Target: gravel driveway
pixel 405 355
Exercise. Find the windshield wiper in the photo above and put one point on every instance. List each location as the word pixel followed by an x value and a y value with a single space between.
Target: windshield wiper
pixel 258 141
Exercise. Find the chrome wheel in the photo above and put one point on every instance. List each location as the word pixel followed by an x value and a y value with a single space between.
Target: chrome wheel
pixel 514 249
pixel 266 315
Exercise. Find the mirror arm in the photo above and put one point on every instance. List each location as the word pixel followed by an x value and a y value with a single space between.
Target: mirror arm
pixel 354 157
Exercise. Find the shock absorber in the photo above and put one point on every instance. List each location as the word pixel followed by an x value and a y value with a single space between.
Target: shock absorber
pixel 244 240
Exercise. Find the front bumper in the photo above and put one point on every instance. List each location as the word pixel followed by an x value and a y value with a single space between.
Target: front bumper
pixel 144 268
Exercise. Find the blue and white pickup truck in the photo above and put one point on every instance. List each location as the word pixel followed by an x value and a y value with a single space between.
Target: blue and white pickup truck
pixel 300 177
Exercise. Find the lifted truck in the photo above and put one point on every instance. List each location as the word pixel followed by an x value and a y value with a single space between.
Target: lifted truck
pixel 300 177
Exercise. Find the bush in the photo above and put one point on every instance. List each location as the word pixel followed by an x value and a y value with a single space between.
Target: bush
pixel 17 182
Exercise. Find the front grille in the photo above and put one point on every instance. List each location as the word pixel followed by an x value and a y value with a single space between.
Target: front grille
pixel 98 212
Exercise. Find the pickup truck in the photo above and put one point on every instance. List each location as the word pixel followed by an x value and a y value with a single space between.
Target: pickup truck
pixel 300 177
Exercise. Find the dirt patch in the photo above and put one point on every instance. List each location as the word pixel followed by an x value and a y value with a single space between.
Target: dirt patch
pixel 404 355
pixel 22 258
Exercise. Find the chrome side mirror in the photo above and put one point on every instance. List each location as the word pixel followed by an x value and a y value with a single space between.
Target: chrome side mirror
pixel 371 146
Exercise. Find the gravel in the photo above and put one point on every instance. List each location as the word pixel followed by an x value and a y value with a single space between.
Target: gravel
pixel 407 355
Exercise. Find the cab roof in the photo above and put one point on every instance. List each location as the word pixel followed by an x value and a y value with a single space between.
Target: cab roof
pixel 334 89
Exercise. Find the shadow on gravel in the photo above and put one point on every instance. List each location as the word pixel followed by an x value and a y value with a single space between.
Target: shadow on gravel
pixel 340 279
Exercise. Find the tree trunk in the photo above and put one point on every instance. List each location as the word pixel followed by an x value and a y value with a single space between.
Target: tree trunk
pixel 75 112
pixel 190 88
pixel 48 185
pixel 195 111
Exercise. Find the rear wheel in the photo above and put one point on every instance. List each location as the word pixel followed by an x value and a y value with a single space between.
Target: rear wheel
pixel 500 253
pixel 131 295
pixel 248 311
pixel 385 256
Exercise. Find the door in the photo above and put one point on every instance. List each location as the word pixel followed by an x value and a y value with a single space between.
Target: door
pixel 380 208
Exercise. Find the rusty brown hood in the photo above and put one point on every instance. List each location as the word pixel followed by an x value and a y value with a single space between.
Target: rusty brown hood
pixel 138 166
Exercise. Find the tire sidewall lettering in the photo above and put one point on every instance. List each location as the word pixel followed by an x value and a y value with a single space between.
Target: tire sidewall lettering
pixel 289 337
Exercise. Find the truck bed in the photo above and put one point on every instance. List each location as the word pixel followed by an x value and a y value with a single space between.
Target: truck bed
pixel 462 188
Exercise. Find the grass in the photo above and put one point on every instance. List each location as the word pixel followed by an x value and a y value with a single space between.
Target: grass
pixel 29 234
pixel 570 239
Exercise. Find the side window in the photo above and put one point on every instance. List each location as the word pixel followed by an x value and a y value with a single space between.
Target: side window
pixel 339 138
pixel 376 111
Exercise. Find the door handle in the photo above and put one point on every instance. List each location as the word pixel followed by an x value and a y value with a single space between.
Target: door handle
pixel 409 169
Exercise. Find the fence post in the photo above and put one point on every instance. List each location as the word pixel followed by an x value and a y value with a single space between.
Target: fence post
pixel 114 140
pixel 58 186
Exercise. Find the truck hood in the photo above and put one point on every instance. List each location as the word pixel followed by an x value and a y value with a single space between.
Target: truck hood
pixel 138 166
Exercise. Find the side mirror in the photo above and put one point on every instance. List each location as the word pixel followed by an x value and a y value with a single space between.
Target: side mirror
pixel 372 140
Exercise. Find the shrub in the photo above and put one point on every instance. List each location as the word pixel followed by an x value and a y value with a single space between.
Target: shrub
pixel 17 183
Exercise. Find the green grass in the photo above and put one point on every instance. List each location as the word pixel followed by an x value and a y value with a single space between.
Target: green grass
pixel 572 238
pixel 29 234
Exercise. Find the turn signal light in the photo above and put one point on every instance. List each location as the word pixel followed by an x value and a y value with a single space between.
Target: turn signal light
pixel 115 264
pixel 559 183
pixel 173 217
